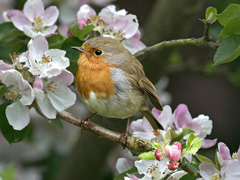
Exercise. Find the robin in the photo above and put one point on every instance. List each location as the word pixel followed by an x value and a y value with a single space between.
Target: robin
pixel 110 81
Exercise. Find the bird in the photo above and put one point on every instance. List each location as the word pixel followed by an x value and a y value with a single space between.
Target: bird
pixel 110 81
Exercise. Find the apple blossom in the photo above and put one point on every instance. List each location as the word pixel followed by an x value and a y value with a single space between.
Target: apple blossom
pixel 45 62
pixel 52 94
pixel 115 24
pixel 153 168
pixel 22 95
pixel 34 20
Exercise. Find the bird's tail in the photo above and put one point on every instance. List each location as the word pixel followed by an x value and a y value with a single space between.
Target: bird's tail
pixel 151 118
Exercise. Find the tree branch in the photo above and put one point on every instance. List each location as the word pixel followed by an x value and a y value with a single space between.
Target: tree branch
pixel 134 143
pixel 202 42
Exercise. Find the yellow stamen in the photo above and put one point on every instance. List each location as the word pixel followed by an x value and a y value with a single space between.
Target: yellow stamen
pixel 215 177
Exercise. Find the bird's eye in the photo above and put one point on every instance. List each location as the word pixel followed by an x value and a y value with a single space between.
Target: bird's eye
pixel 98 52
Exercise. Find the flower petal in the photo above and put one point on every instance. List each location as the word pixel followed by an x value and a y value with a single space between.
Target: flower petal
pixel 207 169
pixel 133 45
pixel 107 13
pixel 207 143
pixel 50 16
pixel 177 175
pixel 85 11
pixel 49 31
pixel 182 116
pixel 4 66
pixel 20 21
pixel 206 125
pixel 122 165
pixel 46 107
pixel 18 115
pixel 224 151
pixel 33 8
pixel 166 117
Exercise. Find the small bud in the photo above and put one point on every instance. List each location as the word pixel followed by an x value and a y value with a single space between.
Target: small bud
pixel 158 154
pixel 172 166
pixel 172 152
pixel 178 145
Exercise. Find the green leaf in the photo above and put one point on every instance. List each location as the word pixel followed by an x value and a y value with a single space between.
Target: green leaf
pixel 210 14
pixel 58 122
pixel 80 33
pixel 73 55
pixel 166 138
pixel 55 41
pixel 3 90
pixel 193 144
pixel 147 155
pixel 233 27
pixel 178 137
pixel 157 146
pixel 232 11
pixel 7 30
pixel 188 177
pixel 10 134
pixel 183 153
pixel 8 173
pixel 124 174
pixel 228 50
pixel 218 166
pixel 203 158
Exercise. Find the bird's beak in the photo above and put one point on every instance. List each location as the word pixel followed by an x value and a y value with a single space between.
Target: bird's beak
pixel 80 49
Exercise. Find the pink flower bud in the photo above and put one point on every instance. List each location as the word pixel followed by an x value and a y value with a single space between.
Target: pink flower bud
pixel 158 154
pixel 173 166
pixel 178 145
pixel 172 152
pixel 81 23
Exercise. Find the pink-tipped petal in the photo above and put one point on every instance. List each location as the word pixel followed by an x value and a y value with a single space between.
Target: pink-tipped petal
pixel 207 143
pixel 4 66
pixel 182 116
pixel 224 151
pixel 21 22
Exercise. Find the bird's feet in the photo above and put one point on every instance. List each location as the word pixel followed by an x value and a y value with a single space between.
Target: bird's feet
pixel 125 136
pixel 125 139
pixel 86 121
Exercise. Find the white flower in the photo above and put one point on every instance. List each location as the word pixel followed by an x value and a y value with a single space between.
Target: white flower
pixel 34 20
pixel 153 168
pixel 53 94
pixel 21 92
pixel 45 62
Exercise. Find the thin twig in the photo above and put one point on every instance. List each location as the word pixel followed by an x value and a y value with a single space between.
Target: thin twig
pixel 200 42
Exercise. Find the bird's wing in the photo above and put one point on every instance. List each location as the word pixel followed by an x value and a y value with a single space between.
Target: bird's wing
pixel 136 76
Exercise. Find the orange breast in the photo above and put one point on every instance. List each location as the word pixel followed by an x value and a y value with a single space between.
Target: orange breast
pixel 94 75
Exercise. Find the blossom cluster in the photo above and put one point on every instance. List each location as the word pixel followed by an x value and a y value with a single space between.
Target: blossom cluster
pixel 115 24
pixel 177 121
pixel 37 76
pixel 167 156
